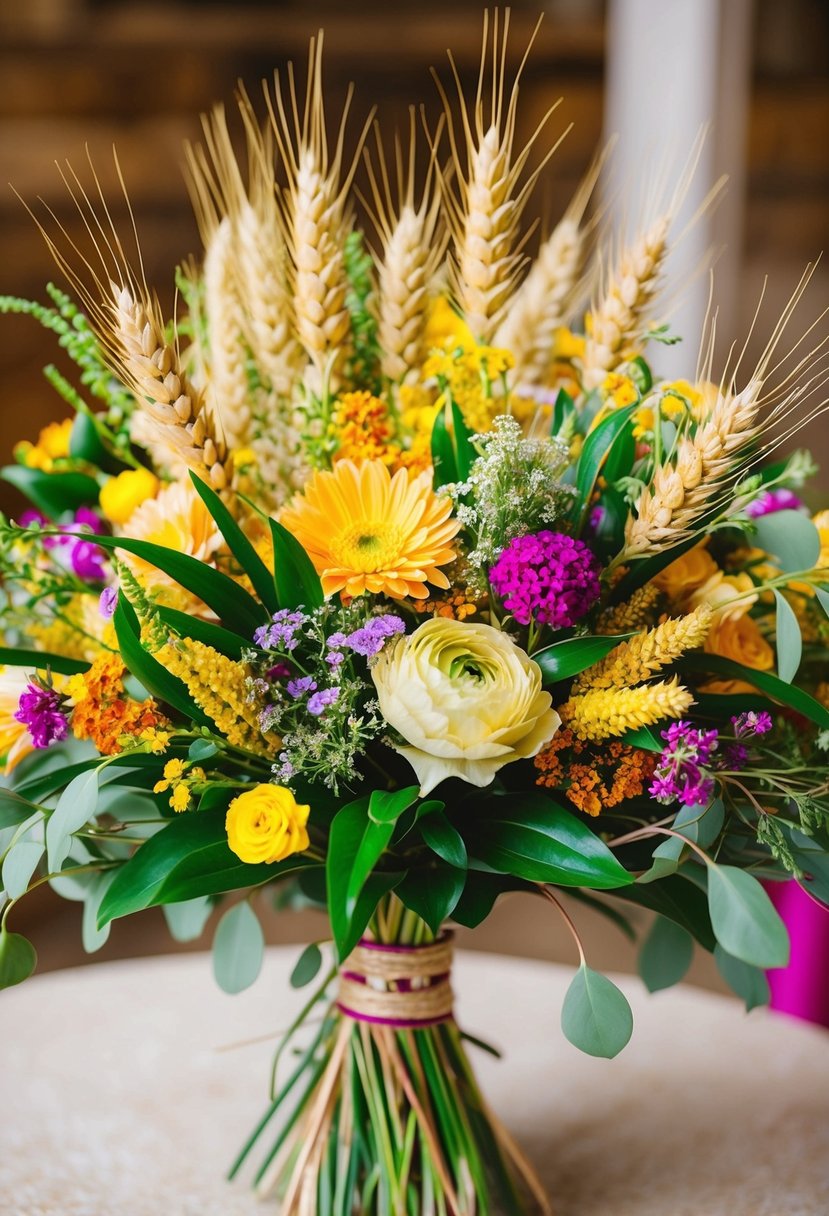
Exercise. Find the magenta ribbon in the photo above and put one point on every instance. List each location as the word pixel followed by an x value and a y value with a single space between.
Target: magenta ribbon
pixel 802 988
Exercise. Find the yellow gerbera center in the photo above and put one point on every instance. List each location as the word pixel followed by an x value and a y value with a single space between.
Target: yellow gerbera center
pixel 367 547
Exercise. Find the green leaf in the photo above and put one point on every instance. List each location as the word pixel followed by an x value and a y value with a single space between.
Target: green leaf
pixel 529 836
pixel 186 920
pixel 307 966
pixel 85 442
pixel 221 639
pixel 347 830
pixel 93 937
pixel 14 809
pixel 645 737
pixel 153 676
pixel 790 538
pixel 744 919
pixel 452 452
pixel 39 660
pixel 19 865
pixel 748 982
pixel 297 582
pixel 432 894
pixel 189 857
pixel 17 959
pixel 565 659
pixel 444 840
pixel 238 948
pixel 665 955
pixel 700 824
pixel 772 686
pixel 52 493
pixel 239 545
pixel 596 1016
pixel 597 446
pixel 201 749
pixel 680 900
pixel 480 895
pixel 643 570
pixel 376 837
pixel 230 602
pixel 75 807
pixel 563 410
pixel 789 640
pixel 823 597
pixel 386 807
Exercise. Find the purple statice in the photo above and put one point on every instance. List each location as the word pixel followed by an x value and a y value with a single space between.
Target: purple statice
pixel 282 630
pixel 107 602
pixel 334 658
pixel 370 639
pixel 546 577
pixel 319 702
pixel 297 688
pixel 682 773
pixel 771 501
pixel 39 711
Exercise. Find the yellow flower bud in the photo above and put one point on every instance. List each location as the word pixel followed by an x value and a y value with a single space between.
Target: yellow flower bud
pixel 266 824
pixel 121 495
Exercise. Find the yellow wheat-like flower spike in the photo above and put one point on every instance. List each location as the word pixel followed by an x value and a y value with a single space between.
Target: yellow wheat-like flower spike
pixel 639 612
pixel 217 685
pixel 602 713
pixel 643 656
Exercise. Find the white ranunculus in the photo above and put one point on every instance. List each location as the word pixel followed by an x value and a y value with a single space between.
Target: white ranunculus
pixel 466 700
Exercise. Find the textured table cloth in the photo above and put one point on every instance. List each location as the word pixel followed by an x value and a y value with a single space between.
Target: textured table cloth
pixel 118 1102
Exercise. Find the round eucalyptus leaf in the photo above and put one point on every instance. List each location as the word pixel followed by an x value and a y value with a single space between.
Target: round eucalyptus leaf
pixel 791 538
pixel 186 920
pixel 18 959
pixel 789 639
pixel 665 955
pixel 750 983
pixel 238 948
pixel 744 919
pixel 596 1016
pixel 75 807
pixel 19 865
pixel 307 966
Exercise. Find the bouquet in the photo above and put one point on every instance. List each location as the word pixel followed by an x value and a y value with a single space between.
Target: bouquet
pixel 384 579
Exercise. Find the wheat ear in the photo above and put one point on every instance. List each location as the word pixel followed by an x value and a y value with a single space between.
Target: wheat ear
pixel 544 301
pixel 412 246
pixel 487 189
pixel 126 319
pixel 318 220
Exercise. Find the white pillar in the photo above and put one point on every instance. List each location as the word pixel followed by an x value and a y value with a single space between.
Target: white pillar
pixel 674 67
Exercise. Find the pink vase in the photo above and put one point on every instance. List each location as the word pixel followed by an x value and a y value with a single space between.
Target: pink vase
pixel 802 988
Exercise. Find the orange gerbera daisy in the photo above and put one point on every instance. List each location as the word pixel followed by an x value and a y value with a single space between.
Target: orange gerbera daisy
pixel 365 530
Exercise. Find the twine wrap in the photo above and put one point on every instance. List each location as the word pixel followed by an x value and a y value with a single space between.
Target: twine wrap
pixel 406 987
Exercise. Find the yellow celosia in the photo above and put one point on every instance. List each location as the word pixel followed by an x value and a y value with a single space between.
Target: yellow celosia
pixel 643 656
pixel 218 686
pixel 267 824
pixel 602 713
pixel 635 613
pixel 122 495
pixel 52 444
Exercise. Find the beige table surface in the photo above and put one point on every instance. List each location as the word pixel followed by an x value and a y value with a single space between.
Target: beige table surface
pixel 116 1101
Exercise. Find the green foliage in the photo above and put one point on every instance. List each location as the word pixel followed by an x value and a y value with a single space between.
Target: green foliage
pixel 52 493
pixel 790 538
pixel 297 582
pixel 186 920
pixel 596 450
pixel 75 807
pixel 432 894
pixel 40 660
pixel 153 676
pixel 19 865
pixel 239 545
pixel 744 919
pixel 595 1015
pixel 444 840
pixel 789 640
pixel 307 966
pixel 569 658
pixel 747 982
pixel 364 363
pixel 665 955
pixel 17 959
pixel 452 451
pixel 678 899
pixel 771 685
pixel 238 948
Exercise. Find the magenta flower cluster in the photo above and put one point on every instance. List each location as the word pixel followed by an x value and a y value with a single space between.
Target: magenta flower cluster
pixel 546 577
pixel 772 501
pixel 84 557
pixel 685 772
pixel 39 710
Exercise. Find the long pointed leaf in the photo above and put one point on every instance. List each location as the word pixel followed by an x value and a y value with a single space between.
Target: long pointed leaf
pixel 238 543
pixel 297 582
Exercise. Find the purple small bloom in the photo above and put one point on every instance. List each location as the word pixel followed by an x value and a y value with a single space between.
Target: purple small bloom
pixel 39 711
pixel 86 518
pixel 320 701
pixel 33 519
pixel 370 639
pixel 279 671
pixel 752 722
pixel 548 577
pixel 596 518
pixel 297 688
pixel 336 641
pixel 281 631
pixel 335 658
pixel 682 773
pixel 107 602
pixel 771 501
pixel 87 561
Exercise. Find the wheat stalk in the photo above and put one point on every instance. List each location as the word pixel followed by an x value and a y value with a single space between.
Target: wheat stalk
pixel 413 243
pixel 487 189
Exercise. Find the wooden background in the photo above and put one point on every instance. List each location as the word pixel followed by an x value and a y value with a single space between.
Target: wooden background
pixel 137 74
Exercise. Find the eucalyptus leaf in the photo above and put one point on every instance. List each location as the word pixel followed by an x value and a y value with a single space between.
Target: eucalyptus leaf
pixel 307 966
pixel 238 948
pixel 665 955
pixel 595 1015
pixel 789 639
pixel 75 807
pixel 201 749
pixel 748 982
pixel 19 865
pixel 822 594
pixel 18 959
pixel 791 538
pixel 93 937
pixel 15 809
pixel 186 920
pixel 744 919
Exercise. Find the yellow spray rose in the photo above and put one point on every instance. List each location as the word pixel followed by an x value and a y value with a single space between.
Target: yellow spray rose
pixel 687 574
pixel 738 638
pixel 266 823
pixel 466 700
pixel 728 595
pixel 121 495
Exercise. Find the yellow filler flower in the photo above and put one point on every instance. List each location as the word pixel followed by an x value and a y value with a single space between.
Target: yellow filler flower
pixel 366 530
pixel 267 824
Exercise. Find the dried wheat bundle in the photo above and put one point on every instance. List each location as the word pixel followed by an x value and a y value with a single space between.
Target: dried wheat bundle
pixel 488 188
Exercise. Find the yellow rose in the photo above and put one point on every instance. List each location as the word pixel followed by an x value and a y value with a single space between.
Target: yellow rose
pixel 726 595
pixel 687 573
pixel 266 824
pixel 466 700
pixel 121 495
pixel 821 522
pixel 738 638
